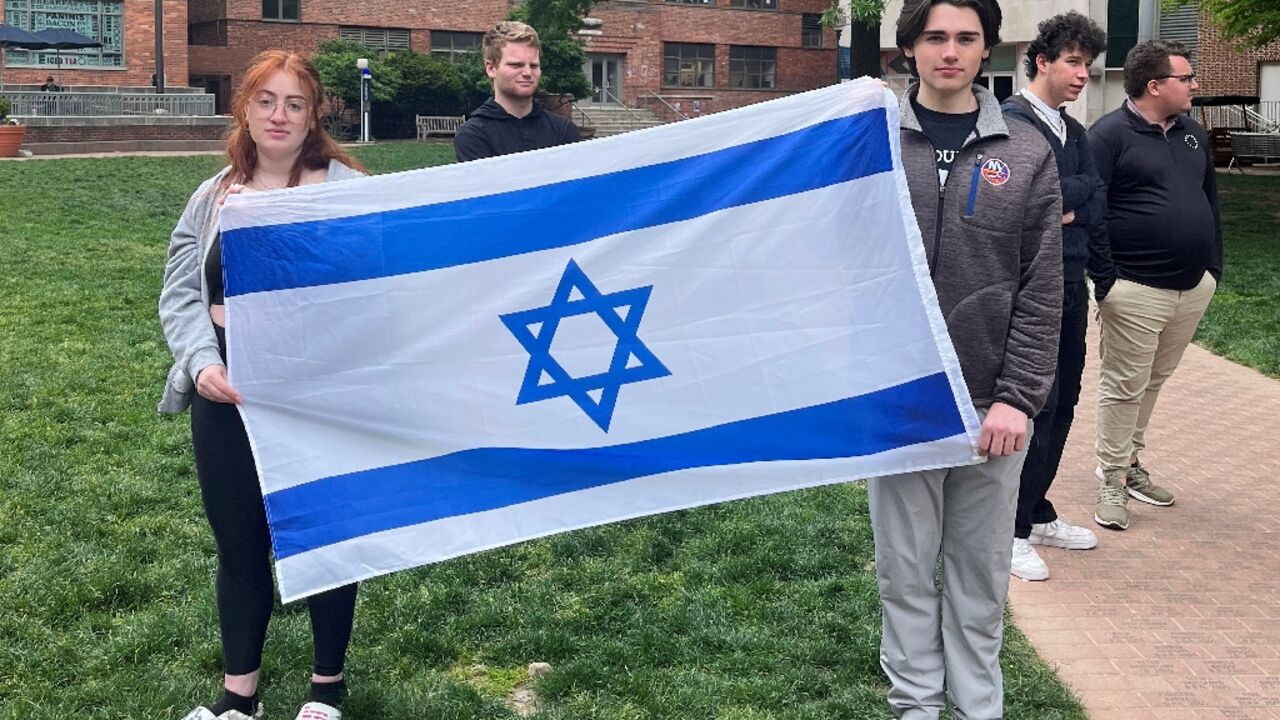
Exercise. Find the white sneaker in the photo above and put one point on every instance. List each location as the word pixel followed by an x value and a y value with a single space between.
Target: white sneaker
pixel 203 713
pixel 1026 562
pixel 318 711
pixel 1062 534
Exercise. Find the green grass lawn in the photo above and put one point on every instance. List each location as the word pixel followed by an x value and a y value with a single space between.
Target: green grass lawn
pixel 756 609
pixel 1243 323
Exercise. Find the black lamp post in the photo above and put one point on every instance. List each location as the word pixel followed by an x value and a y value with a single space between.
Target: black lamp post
pixel 159 79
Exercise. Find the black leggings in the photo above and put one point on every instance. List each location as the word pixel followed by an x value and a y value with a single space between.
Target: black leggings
pixel 233 505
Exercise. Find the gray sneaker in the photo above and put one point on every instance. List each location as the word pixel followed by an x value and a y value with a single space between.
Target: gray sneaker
pixel 1112 510
pixel 1141 488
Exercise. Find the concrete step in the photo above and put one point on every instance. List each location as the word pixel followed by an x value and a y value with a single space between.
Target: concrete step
pixel 614 131
pixel 626 126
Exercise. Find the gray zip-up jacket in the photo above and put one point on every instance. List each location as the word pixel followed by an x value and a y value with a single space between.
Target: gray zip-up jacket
pixel 993 237
pixel 184 300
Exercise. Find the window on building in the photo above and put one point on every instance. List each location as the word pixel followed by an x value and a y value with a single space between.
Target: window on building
pixel 1001 71
pixel 758 4
pixel 280 9
pixel 810 31
pixel 1181 23
pixel 688 65
pixel 383 40
pixel 693 2
pixel 753 67
pixel 208 33
pixel 450 45
pixel 102 20
pixel 1122 30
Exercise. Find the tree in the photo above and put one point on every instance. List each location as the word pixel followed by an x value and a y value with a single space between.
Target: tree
pixel 476 85
pixel 405 84
pixel 336 62
pixel 864 33
pixel 428 86
pixel 562 61
pixel 553 18
pixel 1245 22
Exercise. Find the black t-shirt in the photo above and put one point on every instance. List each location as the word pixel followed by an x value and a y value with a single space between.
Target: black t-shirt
pixel 213 272
pixel 947 132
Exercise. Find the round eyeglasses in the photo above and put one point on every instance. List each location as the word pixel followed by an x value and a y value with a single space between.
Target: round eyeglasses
pixel 264 106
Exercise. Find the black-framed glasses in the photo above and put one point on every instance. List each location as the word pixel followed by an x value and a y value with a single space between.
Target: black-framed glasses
pixel 1187 79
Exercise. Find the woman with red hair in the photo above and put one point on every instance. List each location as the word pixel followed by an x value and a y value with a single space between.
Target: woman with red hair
pixel 278 141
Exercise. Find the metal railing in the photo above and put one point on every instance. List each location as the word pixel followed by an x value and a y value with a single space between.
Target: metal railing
pixel 1263 117
pixel 618 101
pixel 88 104
pixel 579 112
pixel 1267 116
pixel 669 106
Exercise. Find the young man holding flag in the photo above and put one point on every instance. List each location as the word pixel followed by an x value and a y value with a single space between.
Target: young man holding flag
pixel 985 193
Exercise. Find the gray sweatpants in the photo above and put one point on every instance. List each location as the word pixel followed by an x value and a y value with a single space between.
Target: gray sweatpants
pixel 945 646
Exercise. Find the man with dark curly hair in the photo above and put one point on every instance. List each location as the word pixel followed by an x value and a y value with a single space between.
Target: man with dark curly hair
pixel 1166 244
pixel 1057 63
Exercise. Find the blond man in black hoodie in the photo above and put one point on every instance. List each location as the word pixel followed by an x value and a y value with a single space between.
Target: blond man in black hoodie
pixel 513 120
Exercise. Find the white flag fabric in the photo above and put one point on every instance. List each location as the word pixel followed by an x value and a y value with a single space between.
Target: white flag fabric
pixel 443 361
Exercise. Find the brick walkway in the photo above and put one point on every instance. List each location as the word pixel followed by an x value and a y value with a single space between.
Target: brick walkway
pixel 1178 616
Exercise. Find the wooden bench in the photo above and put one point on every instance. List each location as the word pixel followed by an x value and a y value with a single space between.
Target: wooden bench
pixel 1263 147
pixel 437 125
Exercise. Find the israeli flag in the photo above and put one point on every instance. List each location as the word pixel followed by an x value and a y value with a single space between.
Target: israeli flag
pixel 443 361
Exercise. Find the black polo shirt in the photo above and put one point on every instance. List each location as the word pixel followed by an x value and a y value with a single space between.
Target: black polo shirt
pixel 1162 199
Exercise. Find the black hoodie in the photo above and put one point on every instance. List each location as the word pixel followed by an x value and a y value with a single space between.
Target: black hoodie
pixel 492 131
pixel 1084 240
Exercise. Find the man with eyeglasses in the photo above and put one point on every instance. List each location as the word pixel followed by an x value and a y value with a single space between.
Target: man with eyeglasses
pixel 1166 252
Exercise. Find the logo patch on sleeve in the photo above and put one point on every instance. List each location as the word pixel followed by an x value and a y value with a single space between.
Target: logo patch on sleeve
pixel 995 171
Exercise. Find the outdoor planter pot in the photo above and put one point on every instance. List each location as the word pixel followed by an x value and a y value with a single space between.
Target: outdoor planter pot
pixel 11 139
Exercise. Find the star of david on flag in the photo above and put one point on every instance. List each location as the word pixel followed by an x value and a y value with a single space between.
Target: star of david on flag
pixel 631 361
pixel 444 361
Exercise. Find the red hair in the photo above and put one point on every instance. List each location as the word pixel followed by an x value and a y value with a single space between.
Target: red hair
pixel 317 149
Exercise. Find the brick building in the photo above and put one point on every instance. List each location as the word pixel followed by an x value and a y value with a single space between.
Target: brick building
pixel 1224 69
pixel 226 34
pixel 126 28
pixel 697 55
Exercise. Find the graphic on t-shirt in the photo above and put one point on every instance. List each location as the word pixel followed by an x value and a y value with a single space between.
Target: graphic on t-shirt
pixel 947 133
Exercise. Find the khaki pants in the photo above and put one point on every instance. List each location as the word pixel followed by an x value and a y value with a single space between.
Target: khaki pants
pixel 1144 333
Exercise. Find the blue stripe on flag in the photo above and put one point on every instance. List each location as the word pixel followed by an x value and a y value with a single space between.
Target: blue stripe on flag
pixel 330 510
pixel 430 237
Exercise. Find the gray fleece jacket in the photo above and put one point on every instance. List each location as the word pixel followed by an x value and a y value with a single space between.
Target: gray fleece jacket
pixel 184 300
pixel 993 237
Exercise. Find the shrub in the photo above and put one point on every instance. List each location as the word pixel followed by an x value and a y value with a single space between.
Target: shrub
pixel 428 86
